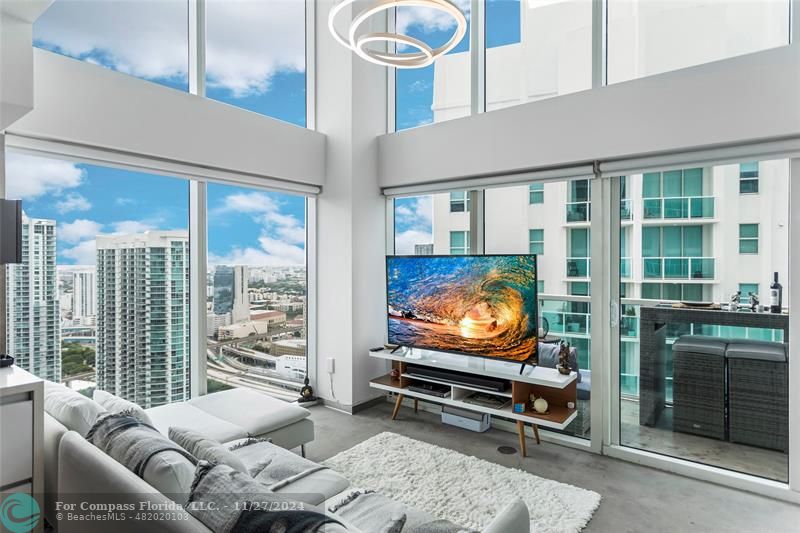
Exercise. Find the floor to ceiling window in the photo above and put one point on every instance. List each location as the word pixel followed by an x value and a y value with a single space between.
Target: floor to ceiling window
pixel 536 49
pixel 703 366
pixel 149 40
pixel 440 91
pixel 101 298
pixel 256 56
pixel 256 290
pixel 534 219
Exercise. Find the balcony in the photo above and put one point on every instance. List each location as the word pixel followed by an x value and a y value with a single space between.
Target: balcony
pixel 625 267
pixel 695 268
pixel 678 208
pixel 579 212
pixel 625 209
pixel 578 267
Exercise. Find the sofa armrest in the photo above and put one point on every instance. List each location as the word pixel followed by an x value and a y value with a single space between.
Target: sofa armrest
pixel 514 518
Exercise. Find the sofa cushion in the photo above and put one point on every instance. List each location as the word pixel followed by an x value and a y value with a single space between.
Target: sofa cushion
pixel 115 404
pixel 219 494
pixel 372 511
pixel 171 473
pixel 72 409
pixel 286 472
pixel 187 416
pixel 205 448
pixel 253 411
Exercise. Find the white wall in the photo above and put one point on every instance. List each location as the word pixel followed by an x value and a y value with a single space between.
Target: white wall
pixel 696 107
pixel 351 96
pixel 77 102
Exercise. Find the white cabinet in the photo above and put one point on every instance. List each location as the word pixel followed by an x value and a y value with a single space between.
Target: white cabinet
pixel 21 433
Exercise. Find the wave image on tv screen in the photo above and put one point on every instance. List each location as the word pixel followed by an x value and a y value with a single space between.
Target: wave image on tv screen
pixel 477 305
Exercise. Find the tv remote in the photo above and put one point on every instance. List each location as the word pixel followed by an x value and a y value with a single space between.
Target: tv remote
pixel 376 349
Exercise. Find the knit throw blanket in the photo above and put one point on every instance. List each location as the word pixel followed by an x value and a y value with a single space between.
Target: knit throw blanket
pixel 131 442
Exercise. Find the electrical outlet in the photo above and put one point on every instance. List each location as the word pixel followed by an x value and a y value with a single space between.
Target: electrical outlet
pixel 331 364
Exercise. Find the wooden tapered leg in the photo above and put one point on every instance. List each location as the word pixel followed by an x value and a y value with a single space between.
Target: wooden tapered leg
pixel 536 433
pixel 416 404
pixel 397 406
pixel 521 431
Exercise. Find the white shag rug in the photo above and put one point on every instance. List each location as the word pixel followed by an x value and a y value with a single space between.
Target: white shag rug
pixel 463 489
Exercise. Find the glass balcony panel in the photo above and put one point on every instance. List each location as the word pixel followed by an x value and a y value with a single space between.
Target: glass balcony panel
pixel 702 268
pixel 652 268
pixel 578 267
pixel 625 209
pixel 676 207
pixel 651 208
pixel 578 212
pixel 676 268
pixel 702 207
pixel 625 267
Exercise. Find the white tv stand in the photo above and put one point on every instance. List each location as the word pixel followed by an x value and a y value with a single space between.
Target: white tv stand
pixel 556 388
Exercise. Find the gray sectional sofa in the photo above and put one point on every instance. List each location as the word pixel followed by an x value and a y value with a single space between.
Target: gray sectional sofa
pixel 76 469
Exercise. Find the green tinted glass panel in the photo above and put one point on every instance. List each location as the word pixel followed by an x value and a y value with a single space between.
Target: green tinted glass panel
pixel 652 185
pixel 748 231
pixel 651 242
pixel 692 241
pixel 672 241
pixel 672 183
pixel 748 246
pixel 537 248
pixel 693 182
pixel 579 242
pixel 579 288
pixel 537 235
pixel 672 291
pixel 692 293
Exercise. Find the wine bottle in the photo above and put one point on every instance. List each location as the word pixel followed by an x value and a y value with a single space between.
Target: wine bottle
pixel 775 296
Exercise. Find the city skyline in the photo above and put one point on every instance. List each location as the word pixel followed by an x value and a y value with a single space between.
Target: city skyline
pixel 245 226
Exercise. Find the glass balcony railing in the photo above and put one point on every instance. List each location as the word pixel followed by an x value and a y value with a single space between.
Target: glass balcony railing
pixel 625 209
pixel 578 267
pixel 625 267
pixel 678 207
pixel 678 267
pixel 579 211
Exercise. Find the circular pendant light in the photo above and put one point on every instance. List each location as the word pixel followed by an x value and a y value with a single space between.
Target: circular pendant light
pixel 423 55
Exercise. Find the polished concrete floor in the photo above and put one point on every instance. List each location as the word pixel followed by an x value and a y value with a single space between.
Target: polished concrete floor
pixel 635 498
pixel 751 460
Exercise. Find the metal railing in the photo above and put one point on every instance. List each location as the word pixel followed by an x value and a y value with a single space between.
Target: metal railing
pixel 678 207
pixel 697 268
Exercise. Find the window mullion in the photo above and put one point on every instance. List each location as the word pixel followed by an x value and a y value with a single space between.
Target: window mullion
pixel 198 246
pixel 477 57
pixel 197 47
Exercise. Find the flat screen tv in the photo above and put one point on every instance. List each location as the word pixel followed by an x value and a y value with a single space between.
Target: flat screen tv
pixel 483 305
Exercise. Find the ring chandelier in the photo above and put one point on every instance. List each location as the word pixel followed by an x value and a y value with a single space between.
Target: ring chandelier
pixel 424 54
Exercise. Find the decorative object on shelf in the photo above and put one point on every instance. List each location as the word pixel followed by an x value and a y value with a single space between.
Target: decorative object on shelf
pixel 395 373
pixel 544 330
pixel 754 301
pixel 563 359
pixel 519 408
pixel 6 360
pixel 361 43
pixel 736 299
pixel 539 405
pixel 570 405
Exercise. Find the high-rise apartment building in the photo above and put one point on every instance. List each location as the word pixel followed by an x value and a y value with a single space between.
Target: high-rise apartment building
pixel 143 348
pixel 33 335
pixel 230 292
pixel 423 249
pixel 84 296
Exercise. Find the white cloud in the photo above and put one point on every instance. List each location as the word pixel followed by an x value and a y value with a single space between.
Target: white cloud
pixel 253 202
pixel 272 253
pixel 78 230
pixel 417 213
pixel 121 201
pixel 29 177
pixel 127 227
pixel 73 202
pixel 248 41
pixel 430 20
pixel 404 242
pixel 84 253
